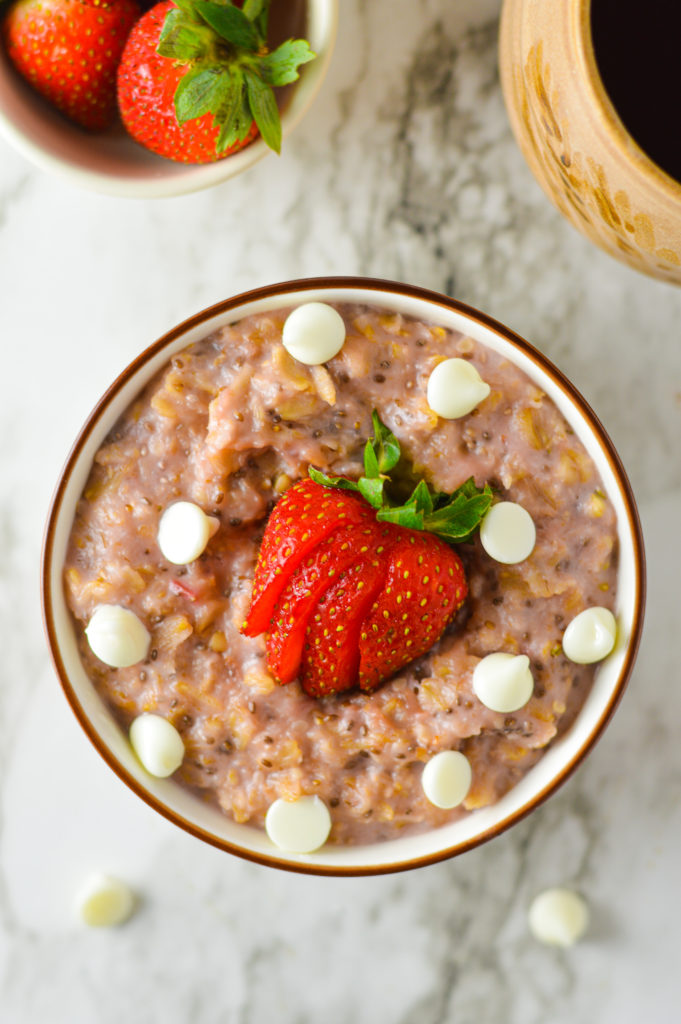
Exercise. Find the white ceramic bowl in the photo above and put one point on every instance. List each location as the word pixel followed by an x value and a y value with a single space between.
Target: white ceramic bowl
pixel 114 164
pixel 561 758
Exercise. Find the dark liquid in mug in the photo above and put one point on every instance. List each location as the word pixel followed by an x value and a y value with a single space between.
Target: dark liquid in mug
pixel 637 44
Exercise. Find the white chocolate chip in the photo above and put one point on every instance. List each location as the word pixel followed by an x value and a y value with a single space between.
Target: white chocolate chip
pixel 503 682
pixel 117 637
pixel 313 333
pixel 157 743
pixel 183 532
pixel 104 902
pixel 508 533
pixel 590 636
pixel 298 826
pixel 558 917
pixel 455 388
pixel 446 778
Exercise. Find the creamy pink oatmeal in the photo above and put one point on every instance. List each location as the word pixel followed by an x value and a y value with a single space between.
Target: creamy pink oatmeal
pixel 230 423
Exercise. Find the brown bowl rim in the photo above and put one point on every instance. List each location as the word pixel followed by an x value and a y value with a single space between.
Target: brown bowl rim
pixel 435 299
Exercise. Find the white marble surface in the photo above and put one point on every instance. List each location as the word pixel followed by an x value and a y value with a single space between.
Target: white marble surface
pixel 405 168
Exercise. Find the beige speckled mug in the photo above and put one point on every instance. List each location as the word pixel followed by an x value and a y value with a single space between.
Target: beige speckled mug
pixel 575 141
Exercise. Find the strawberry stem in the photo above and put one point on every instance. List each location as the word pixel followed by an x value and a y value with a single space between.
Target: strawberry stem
pixel 453 517
pixel 232 74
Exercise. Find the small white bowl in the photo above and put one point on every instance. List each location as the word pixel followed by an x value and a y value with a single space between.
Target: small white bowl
pixel 561 758
pixel 114 164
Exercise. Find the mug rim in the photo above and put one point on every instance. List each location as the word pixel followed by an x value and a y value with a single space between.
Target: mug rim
pixel 433 299
pixel 606 112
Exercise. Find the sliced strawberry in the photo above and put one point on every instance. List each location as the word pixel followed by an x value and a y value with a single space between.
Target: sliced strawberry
pixel 332 557
pixel 352 588
pixel 305 515
pixel 425 586
pixel 331 658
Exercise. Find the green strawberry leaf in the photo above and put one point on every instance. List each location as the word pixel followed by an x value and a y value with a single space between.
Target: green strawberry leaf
pixel 340 482
pixel 281 66
pixel 405 515
pixel 386 445
pixel 183 39
pixel 258 12
pixel 264 109
pixel 412 514
pixel 203 90
pixel 229 22
pixel 245 115
pixel 421 498
pixel 253 8
pixel 458 520
pixel 468 488
pixel 371 490
pixel 187 7
pixel 371 467
pixel 233 115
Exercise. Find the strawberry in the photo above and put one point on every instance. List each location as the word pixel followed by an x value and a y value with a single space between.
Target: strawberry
pixel 424 585
pixel 195 81
pixel 302 518
pixel 69 52
pixel 329 560
pixel 331 657
pixel 351 587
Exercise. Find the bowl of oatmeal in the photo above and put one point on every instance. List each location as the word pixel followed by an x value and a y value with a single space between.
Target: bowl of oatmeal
pixel 222 417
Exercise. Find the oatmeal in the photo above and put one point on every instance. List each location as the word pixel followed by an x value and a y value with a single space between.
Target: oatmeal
pixel 229 425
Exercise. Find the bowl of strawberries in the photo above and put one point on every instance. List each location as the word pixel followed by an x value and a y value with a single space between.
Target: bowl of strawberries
pixel 343 577
pixel 158 100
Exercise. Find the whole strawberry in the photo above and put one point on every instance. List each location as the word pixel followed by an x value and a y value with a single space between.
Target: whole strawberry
pixel 195 82
pixel 350 587
pixel 69 51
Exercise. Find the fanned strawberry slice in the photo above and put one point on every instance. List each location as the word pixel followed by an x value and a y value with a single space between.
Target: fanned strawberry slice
pixel 331 657
pixel 351 586
pixel 332 557
pixel 302 518
pixel 425 585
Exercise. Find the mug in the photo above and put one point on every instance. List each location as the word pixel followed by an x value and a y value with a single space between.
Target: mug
pixel 575 142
